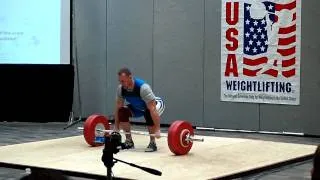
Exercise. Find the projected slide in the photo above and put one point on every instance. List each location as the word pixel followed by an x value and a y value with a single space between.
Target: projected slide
pixel 31 31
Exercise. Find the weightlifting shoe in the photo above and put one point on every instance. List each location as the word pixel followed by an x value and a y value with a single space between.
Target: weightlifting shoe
pixel 151 147
pixel 128 144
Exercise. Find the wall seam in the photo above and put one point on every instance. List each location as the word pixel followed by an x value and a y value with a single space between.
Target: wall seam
pixel 152 46
pixel 259 118
pixel 203 61
pixel 107 11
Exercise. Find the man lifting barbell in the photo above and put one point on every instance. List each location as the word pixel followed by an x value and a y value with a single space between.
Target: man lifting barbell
pixel 134 99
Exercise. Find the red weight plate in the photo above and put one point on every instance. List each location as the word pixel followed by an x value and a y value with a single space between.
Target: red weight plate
pixel 94 122
pixel 177 133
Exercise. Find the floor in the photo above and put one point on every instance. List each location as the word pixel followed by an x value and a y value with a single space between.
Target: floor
pixel 18 132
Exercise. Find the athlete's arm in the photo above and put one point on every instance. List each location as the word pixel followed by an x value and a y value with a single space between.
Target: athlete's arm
pixel 154 114
pixel 148 96
pixel 119 104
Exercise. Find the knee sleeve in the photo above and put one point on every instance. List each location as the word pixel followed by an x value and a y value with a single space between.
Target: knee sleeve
pixel 124 114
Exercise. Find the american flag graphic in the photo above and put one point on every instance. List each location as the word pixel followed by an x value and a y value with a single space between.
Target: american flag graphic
pixel 269 43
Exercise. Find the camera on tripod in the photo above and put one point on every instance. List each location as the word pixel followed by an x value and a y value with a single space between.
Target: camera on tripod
pixel 113 142
pixel 112 146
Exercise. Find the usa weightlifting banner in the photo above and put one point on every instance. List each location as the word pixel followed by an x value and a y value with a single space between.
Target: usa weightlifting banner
pixel 260 51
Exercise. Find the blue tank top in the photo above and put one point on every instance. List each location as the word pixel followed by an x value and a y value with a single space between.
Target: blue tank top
pixel 133 97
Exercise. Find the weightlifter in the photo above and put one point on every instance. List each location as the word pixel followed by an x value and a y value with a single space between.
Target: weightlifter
pixel 134 99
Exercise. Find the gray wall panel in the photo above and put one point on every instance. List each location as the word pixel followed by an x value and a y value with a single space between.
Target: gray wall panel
pixel 216 113
pixel 175 46
pixel 304 117
pixel 89 41
pixel 178 58
pixel 129 42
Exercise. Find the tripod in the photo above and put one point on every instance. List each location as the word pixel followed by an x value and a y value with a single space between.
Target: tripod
pixel 107 157
pixel 112 146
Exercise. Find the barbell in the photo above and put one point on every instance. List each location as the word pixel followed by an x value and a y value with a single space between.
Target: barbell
pixel 180 135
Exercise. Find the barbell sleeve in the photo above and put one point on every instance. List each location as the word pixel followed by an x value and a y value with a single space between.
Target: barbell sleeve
pixel 192 138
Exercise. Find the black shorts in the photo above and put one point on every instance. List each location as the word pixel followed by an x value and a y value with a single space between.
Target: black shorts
pixel 146 114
